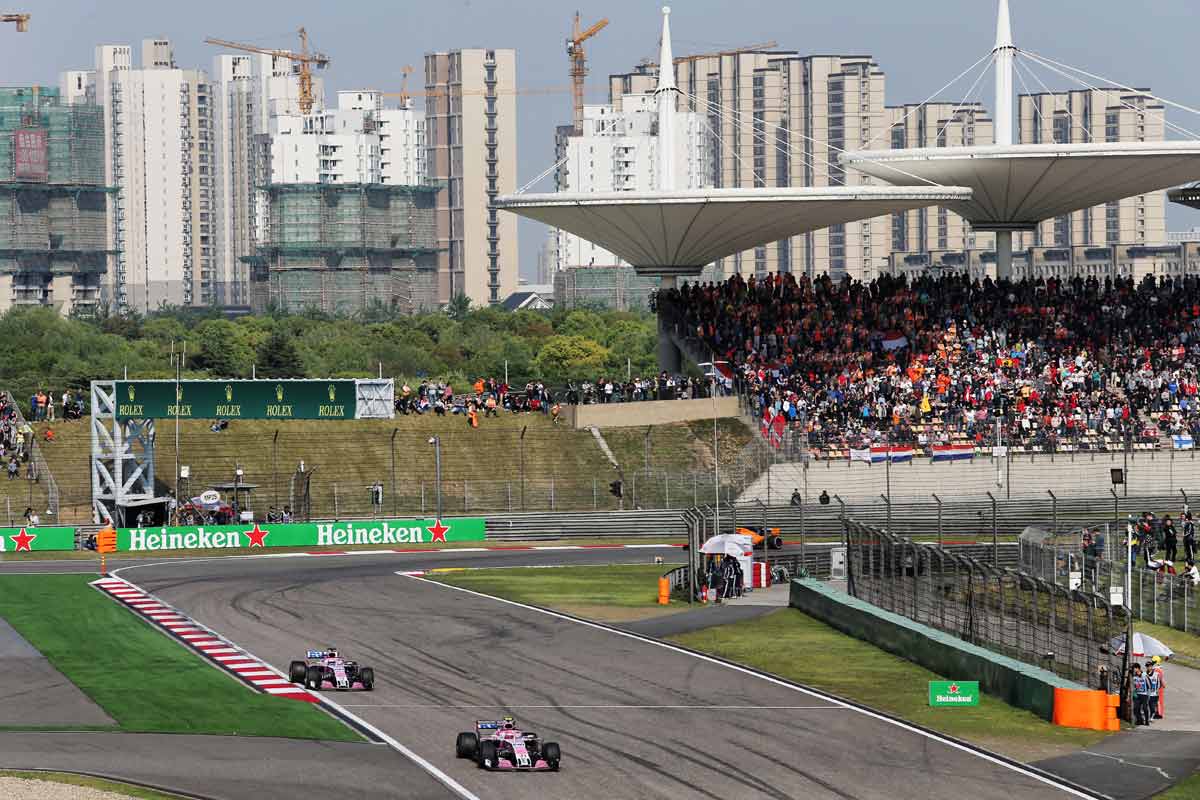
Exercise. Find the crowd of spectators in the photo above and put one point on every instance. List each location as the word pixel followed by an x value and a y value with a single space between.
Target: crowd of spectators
pixel 1057 364
pixel 664 386
pixel 487 397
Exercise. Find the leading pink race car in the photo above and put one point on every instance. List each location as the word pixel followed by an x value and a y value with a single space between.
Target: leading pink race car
pixel 499 745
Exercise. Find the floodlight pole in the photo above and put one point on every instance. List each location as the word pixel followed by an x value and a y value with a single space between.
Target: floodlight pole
pixel 1004 53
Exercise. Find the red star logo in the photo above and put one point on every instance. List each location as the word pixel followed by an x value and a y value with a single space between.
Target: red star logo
pixel 953 689
pixel 438 530
pixel 257 536
pixel 22 540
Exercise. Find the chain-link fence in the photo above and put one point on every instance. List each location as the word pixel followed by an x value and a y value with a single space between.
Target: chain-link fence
pixel 1015 613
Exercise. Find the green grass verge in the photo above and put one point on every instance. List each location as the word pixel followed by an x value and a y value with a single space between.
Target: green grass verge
pixel 1186 789
pixel 90 783
pixel 628 586
pixel 144 680
pixel 795 646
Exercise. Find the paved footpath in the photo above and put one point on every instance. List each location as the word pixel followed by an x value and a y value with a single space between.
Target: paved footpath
pixel 227 767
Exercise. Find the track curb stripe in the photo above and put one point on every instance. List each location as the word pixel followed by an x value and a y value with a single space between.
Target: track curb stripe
pixel 218 651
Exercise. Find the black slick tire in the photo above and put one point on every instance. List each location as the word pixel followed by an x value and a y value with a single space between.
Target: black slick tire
pixel 313 679
pixel 366 677
pixel 467 745
pixel 551 754
pixel 297 671
pixel 487 754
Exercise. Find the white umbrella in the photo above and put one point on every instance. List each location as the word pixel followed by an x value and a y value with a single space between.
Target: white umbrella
pixel 1143 647
pixel 727 544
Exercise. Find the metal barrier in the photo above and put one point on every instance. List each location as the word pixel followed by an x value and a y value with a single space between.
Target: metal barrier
pixel 1006 610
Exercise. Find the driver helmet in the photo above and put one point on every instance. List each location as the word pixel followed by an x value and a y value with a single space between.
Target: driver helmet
pixel 331 652
pixel 508 723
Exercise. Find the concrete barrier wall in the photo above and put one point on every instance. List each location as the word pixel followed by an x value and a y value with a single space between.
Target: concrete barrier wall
pixel 1081 475
pixel 651 412
pixel 1017 683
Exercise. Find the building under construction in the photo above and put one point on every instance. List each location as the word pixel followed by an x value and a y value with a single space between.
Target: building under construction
pixel 53 201
pixel 344 248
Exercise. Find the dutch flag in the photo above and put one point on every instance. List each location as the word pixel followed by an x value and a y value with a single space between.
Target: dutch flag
pixel 952 452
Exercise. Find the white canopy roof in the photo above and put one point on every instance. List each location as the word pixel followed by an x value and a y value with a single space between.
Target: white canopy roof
pixel 677 233
pixel 1017 186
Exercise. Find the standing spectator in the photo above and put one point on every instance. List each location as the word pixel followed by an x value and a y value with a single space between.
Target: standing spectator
pixel 1156 670
pixel 1189 536
pixel 50 406
pixel 14 469
pixel 66 404
pixel 1153 683
pixel 33 406
pixel 1170 542
pixel 1141 696
pixel 31 518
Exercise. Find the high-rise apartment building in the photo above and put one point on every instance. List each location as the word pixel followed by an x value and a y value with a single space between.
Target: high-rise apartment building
pixel 471 146
pixel 617 152
pixel 234 152
pixel 159 155
pixel 778 119
pixel 1096 115
pixel 924 230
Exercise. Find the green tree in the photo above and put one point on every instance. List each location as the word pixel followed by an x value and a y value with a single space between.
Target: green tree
pixel 459 307
pixel 221 349
pixel 568 358
pixel 277 357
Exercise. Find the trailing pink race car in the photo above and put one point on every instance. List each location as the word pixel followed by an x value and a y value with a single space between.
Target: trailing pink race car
pixel 497 744
pixel 322 667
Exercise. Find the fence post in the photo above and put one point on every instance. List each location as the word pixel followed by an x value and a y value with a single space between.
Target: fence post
pixel 336 515
pixel 888 502
pixel 633 481
pixel 551 492
pixel 594 499
pixel 466 501
pixel 695 490
pixel 422 498
pixel 508 492
pixel 1171 603
pixel 1053 515
pixel 938 500
pixel 995 540
pixel 666 490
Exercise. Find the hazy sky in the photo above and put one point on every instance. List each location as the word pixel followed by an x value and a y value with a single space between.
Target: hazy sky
pixel 920 44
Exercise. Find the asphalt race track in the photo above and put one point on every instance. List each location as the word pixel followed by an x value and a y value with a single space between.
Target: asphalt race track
pixel 635 719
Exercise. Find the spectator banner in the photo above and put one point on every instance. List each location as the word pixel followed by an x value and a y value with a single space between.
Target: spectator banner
pixel 303 534
pixel 29 155
pixel 235 399
pixel 1183 442
pixel 21 540
pixel 877 454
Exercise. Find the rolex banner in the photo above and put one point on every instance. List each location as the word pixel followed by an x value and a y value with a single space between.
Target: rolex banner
pixel 236 399
pixel 21 540
pixel 303 534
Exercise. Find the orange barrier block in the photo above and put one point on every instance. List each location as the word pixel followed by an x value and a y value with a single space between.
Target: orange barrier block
pixel 664 591
pixel 1091 709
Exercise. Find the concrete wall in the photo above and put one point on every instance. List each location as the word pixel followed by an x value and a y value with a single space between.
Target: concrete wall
pixel 651 412
pixel 1147 473
pixel 1018 684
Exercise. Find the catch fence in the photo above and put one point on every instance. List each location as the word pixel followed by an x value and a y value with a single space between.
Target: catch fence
pixel 1015 613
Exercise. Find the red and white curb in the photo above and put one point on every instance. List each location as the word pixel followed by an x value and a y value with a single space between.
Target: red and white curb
pixel 218 650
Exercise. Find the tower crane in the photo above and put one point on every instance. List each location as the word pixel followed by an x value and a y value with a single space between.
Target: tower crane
pixel 579 65
pixel 302 60
pixel 21 21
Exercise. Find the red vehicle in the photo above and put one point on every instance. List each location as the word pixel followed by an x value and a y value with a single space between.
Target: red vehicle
pixel 499 745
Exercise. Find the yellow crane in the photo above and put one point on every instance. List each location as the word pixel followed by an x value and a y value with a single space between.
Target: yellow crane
pixel 302 60
pixel 21 20
pixel 405 71
pixel 579 65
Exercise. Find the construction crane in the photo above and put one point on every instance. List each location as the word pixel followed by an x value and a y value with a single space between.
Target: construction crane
pixel 303 62
pixel 579 65
pixel 405 71
pixel 21 20
pixel 750 48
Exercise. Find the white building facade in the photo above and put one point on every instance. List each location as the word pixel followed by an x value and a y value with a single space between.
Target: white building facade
pixel 617 152
pixel 159 154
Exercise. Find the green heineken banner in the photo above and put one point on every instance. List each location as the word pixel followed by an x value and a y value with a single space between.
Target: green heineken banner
pixel 21 540
pixel 953 693
pixel 233 399
pixel 303 534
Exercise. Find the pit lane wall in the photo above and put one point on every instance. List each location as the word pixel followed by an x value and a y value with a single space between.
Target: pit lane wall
pixel 1052 698
pixel 304 534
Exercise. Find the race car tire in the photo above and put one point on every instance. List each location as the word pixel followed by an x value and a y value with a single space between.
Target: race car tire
pixel 487 755
pixel 775 542
pixel 297 671
pixel 551 754
pixel 366 676
pixel 467 745
pixel 313 679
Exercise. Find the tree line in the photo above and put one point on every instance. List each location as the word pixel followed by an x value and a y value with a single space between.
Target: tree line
pixel 41 350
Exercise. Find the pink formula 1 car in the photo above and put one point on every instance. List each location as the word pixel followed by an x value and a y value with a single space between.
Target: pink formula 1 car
pixel 497 744
pixel 322 668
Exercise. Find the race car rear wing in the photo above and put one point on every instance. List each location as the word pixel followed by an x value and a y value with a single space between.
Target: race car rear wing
pixel 491 724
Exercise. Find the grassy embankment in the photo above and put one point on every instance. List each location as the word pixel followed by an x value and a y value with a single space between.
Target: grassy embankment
pixel 791 645
pixel 142 679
